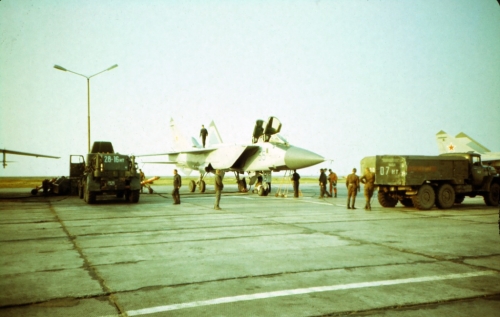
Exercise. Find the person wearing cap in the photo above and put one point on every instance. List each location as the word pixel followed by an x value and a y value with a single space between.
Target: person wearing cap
pixel 352 184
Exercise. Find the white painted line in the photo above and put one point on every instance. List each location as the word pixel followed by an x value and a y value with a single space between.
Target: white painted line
pixel 300 291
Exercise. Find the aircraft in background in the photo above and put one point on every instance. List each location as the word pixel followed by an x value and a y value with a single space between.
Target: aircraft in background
pixel 4 152
pixel 464 143
pixel 269 152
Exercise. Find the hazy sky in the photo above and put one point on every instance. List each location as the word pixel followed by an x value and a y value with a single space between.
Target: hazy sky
pixel 347 79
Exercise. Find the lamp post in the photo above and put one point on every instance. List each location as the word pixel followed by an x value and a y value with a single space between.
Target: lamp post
pixel 88 93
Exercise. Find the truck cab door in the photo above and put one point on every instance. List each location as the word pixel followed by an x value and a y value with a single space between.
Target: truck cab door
pixel 76 165
pixel 478 171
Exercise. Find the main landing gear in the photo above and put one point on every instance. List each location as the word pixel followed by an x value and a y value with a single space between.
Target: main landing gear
pixel 200 184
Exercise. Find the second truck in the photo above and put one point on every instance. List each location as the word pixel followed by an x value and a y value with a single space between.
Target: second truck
pixel 425 181
pixel 106 172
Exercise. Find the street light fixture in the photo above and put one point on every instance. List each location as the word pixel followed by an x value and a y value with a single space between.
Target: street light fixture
pixel 88 93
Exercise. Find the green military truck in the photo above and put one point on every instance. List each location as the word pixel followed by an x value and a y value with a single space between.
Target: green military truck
pixel 106 172
pixel 425 181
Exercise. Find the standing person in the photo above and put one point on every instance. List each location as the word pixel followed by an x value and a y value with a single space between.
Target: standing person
pixel 295 179
pixel 368 179
pixel 203 134
pixel 332 179
pixel 352 184
pixel 219 186
pixel 322 184
pixel 142 177
pixel 177 184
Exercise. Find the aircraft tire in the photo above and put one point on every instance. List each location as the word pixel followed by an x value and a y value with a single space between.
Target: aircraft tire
pixel 202 186
pixel 192 186
pixel 386 200
pixel 445 196
pixel 491 198
pixel 425 198
pixel 261 191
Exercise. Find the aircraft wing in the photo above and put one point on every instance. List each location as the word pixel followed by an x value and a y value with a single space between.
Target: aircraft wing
pixel 193 151
pixel 4 151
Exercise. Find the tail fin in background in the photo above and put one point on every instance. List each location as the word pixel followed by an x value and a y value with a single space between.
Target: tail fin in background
pixel 460 143
pixel 213 135
pixel 178 140
pixel 445 142
pixel 471 144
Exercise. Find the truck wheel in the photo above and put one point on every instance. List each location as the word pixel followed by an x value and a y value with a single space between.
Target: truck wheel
pixel 425 198
pixel 134 196
pixel 192 186
pixel 459 199
pixel 202 186
pixel 80 191
pixel 386 200
pixel 491 197
pixel 91 197
pixel 445 196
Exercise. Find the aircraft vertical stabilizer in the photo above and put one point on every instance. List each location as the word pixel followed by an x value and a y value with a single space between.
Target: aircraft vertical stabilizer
pixel 213 135
pixel 178 140
pixel 471 143
pixel 445 142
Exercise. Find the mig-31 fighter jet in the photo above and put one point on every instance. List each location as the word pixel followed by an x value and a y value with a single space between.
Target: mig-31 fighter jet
pixel 269 152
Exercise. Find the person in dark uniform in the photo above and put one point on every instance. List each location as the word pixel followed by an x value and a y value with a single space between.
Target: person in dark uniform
pixel 177 184
pixel 368 179
pixel 219 186
pixel 352 184
pixel 203 134
pixel 295 179
pixel 322 184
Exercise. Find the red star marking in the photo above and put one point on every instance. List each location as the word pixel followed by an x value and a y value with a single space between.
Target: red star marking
pixel 451 147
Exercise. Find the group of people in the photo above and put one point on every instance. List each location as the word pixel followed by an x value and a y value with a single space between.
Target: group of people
pixel 352 183
pixel 219 186
pixel 353 187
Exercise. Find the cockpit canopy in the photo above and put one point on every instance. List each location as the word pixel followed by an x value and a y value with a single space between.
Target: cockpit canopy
pixel 272 127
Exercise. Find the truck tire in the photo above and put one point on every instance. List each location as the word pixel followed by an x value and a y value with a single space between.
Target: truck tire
pixel 80 192
pixel 91 197
pixel 445 196
pixel 386 200
pixel 425 198
pixel 202 186
pixel 192 186
pixel 134 196
pixel 491 197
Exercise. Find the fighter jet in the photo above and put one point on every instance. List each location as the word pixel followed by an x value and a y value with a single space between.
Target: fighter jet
pixel 269 152
pixel 4 152
pixel 464 143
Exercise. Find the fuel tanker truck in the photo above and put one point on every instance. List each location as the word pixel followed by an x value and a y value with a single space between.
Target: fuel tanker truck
pixel 425 181
pixel 106 172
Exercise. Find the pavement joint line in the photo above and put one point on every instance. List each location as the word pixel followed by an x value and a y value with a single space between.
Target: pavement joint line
pixel 86 264
pixel 302 291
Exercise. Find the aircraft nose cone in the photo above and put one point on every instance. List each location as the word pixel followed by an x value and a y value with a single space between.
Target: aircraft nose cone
pixel 296 158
